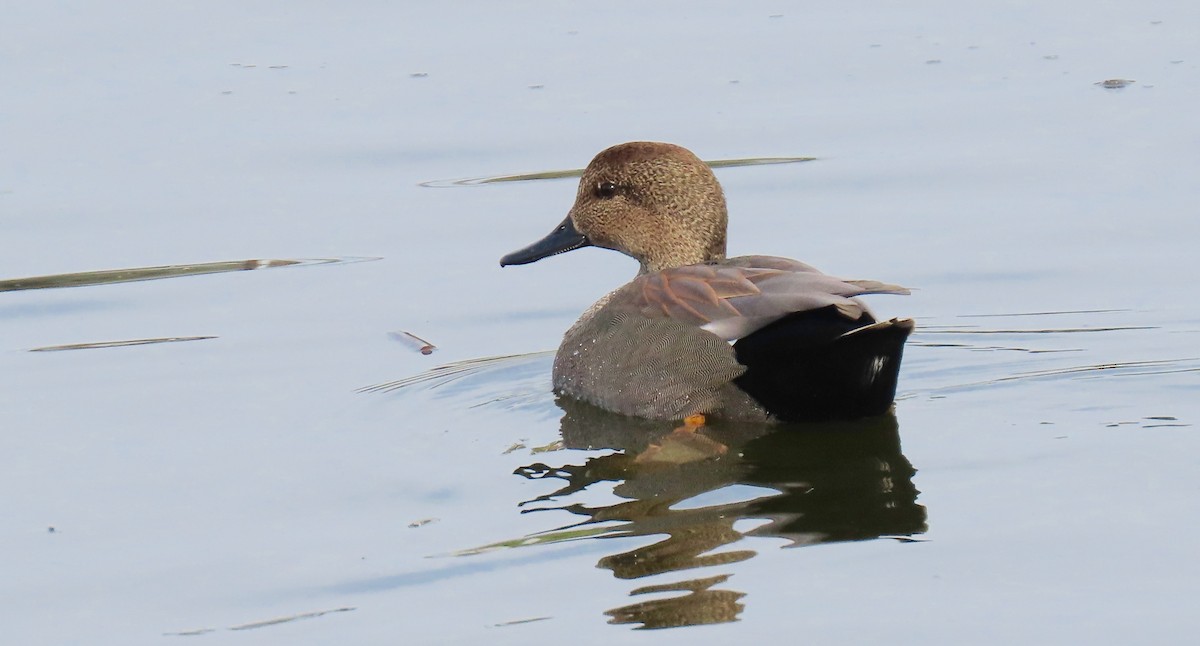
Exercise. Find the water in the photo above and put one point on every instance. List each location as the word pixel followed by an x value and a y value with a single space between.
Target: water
pixel 1036 484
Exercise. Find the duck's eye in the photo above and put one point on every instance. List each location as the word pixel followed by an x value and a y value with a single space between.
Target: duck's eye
pixel 606 190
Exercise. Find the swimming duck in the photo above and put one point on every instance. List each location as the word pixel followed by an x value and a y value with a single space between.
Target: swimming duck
pixel 753 338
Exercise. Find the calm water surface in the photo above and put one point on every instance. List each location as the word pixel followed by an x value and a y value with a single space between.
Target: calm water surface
pixel 217 222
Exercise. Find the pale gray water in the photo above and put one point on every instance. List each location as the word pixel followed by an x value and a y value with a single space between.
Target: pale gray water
pixel 1048 404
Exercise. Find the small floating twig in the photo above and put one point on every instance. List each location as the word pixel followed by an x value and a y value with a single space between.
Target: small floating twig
pixel 261 624
pixel 413 341
pixel 283 620
pixel 516 622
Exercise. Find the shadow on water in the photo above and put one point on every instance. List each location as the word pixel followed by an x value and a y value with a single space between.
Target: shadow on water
pixel 687 497
pixel 808 484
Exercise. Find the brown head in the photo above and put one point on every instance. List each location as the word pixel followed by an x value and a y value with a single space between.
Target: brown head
pixel 656 202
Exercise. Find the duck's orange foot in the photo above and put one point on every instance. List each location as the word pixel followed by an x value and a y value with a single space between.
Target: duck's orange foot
pixel 683 445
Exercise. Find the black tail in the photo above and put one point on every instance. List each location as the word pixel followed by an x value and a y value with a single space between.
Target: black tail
pixel 818 365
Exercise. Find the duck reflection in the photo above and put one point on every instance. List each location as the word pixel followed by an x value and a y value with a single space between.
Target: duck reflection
pixel 815 483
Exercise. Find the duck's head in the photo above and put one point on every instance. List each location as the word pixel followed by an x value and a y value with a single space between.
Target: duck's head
pixel 656 202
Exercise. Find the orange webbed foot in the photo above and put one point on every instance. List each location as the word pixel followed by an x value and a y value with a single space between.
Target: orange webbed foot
pixel 683 445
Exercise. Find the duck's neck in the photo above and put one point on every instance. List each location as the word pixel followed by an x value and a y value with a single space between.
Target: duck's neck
pixel 684 255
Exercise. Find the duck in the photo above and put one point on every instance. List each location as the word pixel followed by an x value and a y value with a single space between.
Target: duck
pixel 696 334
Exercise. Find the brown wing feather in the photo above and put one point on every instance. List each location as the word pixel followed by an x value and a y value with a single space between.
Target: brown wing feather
pixel 697 294
pixel 734 299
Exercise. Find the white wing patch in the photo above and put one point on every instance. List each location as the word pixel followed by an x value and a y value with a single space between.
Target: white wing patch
pixel 872 373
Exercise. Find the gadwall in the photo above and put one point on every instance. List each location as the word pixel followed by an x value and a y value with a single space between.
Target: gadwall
pixel 755 338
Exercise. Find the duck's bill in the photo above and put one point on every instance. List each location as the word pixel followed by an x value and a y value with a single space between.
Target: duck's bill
pixel 565 237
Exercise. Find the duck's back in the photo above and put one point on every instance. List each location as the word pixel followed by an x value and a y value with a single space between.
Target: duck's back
pixel 660 346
